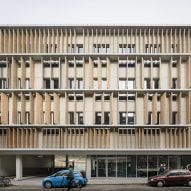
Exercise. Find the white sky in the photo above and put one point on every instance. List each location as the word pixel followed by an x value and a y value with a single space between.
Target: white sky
pixel 95 12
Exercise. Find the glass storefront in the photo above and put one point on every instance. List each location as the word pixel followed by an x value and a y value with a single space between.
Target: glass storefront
pixel 135 165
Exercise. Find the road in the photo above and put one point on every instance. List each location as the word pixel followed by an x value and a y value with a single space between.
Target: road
pixel 98 187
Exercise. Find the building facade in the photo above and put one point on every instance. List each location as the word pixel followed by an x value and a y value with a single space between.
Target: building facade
pixel 112 100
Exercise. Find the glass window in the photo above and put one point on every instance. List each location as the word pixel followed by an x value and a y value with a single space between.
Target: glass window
pixel 95 83
pixel 174 83
pixel 147 83
pixel 106 117
pixel 131 97
pixel 131 63
pixel 55 82
pixel 122 118
pixel 147 63
pixel 19 117
pixel 104 83
pixel 142 166
pixel 71 117
pixel 174 117
pixel 149 117
pixel 71 83
pixel 152 166
pixel 112 167
pixel 122 84
pixel 156 63
pixel 3 83
pixel 47 83
pixel 79 63
pixel 107 48
pixel 122 97
pixel 101 167
pixel 80 117
pixel 122 63
pixel 98 97
pixel 98 118
pixel 80 83
pixel 79 97
pixel 131 84
pixel 80 48
pixel 156 83
pixel 131 117
pixel 52 117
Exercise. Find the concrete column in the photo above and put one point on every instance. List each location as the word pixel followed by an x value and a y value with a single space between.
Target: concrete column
pixel 88 167
pixel 19 167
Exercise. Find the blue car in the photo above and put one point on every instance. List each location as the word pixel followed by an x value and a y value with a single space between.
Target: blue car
pixel 59 179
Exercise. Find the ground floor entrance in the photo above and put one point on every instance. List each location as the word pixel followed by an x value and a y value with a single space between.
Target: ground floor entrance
pixel 135 165
pixel 96 166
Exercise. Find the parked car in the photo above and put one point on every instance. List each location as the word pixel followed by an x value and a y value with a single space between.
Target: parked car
pixel 172 177
pixel 59 179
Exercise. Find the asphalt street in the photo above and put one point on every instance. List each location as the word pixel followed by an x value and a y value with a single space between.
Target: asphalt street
pixel 98 187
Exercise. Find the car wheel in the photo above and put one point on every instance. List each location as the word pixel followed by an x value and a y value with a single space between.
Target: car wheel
pixel 189 183
pixel 48 184
pixel 79 185
pixel 160 184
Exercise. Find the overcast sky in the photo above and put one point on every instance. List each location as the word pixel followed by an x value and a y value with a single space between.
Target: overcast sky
pixel 95 12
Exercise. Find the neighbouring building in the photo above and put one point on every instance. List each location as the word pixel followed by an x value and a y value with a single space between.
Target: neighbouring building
pixel 112 100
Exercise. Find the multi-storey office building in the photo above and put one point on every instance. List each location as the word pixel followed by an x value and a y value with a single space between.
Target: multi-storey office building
pixel 113 100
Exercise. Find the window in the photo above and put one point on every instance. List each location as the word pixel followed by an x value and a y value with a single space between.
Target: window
pixel 131 63
pixel 122 63
pixel 71 117
pixel 156 83
pixel 71 83
pixel 80 83
pixel 106 117
pixel 3 83
pixel 174 97
pixel 122 48
pixel 131 117
pixel 79 97
pixel 158 117
pixel 147 63
pixel 122 84
pixel 27 83
pixel 107 97
pixel 122 118
pixel 147 83
pixel 122 97
pixel 174 117
pixel 71 97
pixel 71 63
pixel 79 63
pixel 174 63
pixel 19 117
pixel 47 83
pixel 131 84
pixel 95 63
pixel 80 48
pixel 27 97
pixel 98 118
pixel 104 83
pixel 99 48
pixel 55 83
pixel 174 83
pixel 131 97
pixel 156 63
pixel 27 117
pixel 149 117
pixel 131 48
pixel 80 117
pixel 146 48
pixel 104 63
pixel 95 83
pixel 107 48
pixel 19 83
pixel 52 117
pixel 98 97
